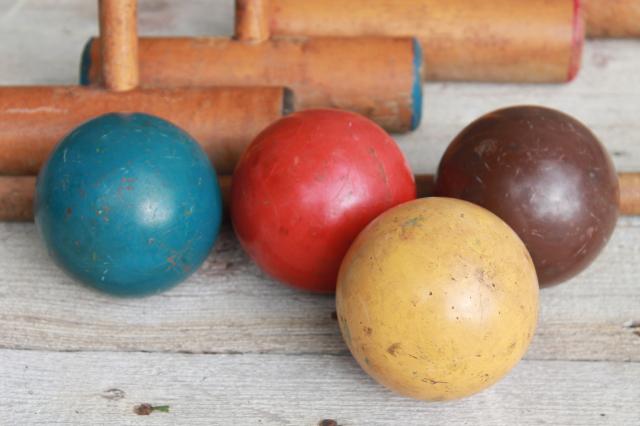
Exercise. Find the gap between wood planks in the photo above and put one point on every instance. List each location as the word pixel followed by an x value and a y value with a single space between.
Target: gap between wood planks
pixel 270 353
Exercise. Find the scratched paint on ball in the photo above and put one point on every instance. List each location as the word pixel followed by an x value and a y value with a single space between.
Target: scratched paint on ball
pixel 129 204
pixel 546 175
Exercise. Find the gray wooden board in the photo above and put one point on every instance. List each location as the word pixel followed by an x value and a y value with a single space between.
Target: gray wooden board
pixel 229 307
pixel 103 388
pixel 231 346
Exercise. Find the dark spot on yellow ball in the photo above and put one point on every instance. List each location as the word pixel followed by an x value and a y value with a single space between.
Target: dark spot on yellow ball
pixel 393 348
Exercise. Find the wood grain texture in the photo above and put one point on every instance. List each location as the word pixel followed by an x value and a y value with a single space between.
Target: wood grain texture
pixel 272 355
pixel 103 388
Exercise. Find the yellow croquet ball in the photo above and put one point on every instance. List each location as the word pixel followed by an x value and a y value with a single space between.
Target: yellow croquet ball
pixel 437 299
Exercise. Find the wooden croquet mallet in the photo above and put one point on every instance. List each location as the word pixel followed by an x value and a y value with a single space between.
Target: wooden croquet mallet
pixel 224 120
pixel 16 194
pixel 379 77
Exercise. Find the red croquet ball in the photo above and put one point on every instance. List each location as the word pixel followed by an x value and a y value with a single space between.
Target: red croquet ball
pixel 307 185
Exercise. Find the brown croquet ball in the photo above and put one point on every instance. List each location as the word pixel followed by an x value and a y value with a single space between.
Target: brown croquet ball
pixel 546 175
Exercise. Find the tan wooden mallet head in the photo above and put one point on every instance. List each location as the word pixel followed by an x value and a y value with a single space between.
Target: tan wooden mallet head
pixel 488 40
pixel 612 18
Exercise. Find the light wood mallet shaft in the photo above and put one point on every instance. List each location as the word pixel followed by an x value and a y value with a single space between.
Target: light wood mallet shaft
pixel 252 20
pixel 16 194
pixel 119 34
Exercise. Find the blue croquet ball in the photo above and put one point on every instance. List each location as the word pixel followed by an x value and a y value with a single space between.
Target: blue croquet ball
pixel 129 204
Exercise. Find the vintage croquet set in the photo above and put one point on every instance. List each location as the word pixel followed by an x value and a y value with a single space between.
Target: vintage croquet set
pixel 281 130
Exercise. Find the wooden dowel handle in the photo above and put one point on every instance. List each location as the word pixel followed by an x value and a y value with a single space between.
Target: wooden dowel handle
pixel 629 193
pixel 252 20
pixel 16 198
pixel 119 34
pixel 16 194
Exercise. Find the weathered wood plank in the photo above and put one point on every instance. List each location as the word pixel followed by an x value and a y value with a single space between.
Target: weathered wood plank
pixel 103 388
pixel 229 306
